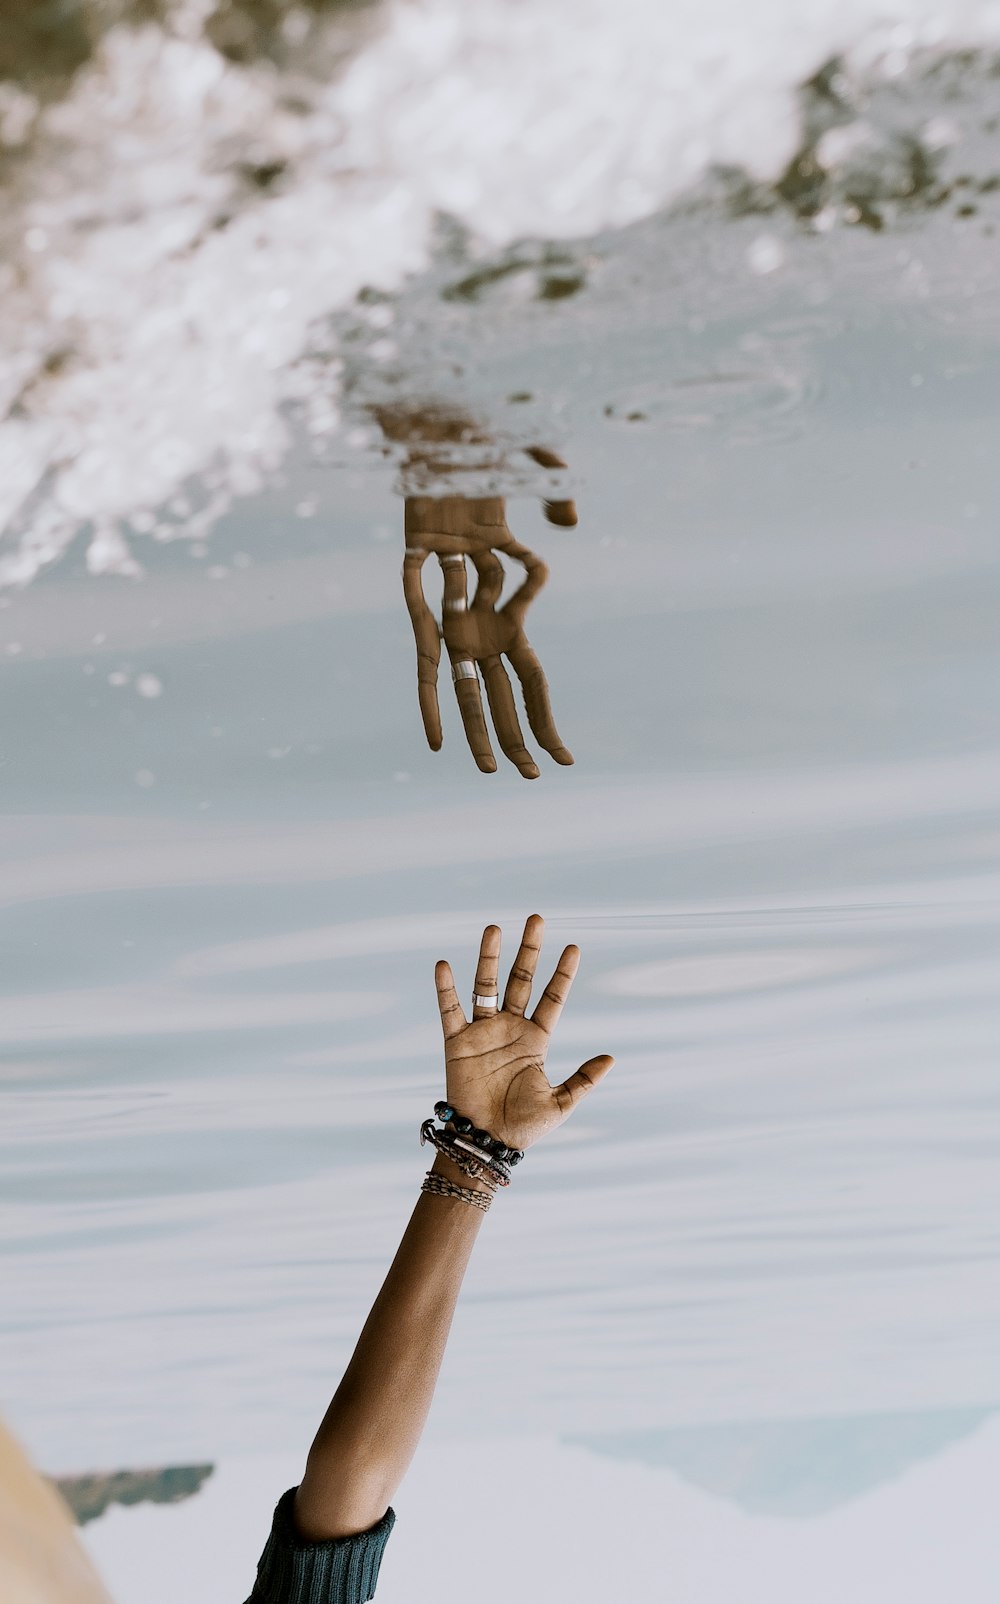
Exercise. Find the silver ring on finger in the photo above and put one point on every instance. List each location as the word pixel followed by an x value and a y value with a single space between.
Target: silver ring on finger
pixel 490 1002
pixel 464 668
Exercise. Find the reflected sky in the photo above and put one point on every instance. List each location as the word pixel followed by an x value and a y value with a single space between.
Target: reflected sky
pixel 763 1259
pixel 643 1530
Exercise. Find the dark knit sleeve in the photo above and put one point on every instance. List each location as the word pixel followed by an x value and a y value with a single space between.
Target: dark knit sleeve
pixel 343 1570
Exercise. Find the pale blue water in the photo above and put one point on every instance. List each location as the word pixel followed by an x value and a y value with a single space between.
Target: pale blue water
pixel 770 1239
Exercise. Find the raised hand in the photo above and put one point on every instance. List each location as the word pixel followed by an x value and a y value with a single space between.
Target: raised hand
pixel 477 635
pixel 495 1063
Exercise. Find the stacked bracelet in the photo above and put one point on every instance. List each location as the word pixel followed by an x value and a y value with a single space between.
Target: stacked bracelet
pixel 475 1165
pixel 480 1155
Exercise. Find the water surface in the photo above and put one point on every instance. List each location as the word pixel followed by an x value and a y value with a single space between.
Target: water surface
pixel 747 1300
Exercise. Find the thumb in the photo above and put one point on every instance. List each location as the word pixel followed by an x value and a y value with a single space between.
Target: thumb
pixel 557 512
pixel 562 513
pixel 575 1089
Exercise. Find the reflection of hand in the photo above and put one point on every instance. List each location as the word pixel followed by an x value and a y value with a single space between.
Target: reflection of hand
pixel 495 1064
pixel 477 633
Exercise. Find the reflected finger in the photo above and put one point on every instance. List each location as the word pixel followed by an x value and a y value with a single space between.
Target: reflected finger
pixel 428 643
pixel 536 577
pixel 470 705
pixel 505 720
pixel 522 972
pixel 456 584
pixel 489 584
pixel 535 688
pixel 485 999
pixel 553 998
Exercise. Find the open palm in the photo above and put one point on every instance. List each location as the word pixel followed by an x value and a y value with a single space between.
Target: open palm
pixel 495 1062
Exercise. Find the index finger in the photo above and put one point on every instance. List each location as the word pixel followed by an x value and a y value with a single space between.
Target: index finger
pixel 452 1018
pixel 489 580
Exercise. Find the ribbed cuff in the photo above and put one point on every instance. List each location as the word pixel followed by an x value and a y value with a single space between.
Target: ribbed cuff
pixel 343 1570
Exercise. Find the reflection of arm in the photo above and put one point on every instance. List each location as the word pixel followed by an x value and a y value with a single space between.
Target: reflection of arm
pixel 428 430
pixel 373 1425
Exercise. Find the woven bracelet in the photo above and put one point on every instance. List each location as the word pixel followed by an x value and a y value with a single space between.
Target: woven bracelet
pixel 445 1188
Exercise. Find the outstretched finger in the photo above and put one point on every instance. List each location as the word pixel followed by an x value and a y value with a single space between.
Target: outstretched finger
pixel 485 998
pixel 522 972
pixel 582 1081
pixel 452 1018
pixel 456 584
pixel 428 642
pixel 489 584
pixel 470 705
pixel 505 718
pixel 536 577
pixel 550 1003
pixel 535 687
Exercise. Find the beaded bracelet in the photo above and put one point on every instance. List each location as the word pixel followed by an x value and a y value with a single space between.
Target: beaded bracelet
pixel 446 1188
pixel 491 1145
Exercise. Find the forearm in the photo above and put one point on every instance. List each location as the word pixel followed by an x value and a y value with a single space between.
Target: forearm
pixel 373 1425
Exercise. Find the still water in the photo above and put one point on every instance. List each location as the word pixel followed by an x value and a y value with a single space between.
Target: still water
pixel 735 1330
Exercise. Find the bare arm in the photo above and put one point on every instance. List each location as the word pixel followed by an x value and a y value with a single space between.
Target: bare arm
pixel 495 1077
pixel 370 1432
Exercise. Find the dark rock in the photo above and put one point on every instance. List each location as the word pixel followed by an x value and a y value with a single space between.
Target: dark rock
pixel 89 1496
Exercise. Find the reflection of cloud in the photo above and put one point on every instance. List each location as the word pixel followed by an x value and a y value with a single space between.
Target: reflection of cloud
pixel 702 974
pixel 793 1467
pixel 113 1011
pixel 362 938
pixel 590 1528
pixel 60 619
pixel 625 822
